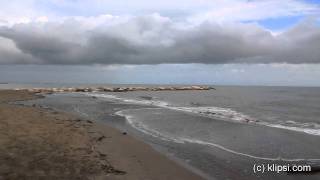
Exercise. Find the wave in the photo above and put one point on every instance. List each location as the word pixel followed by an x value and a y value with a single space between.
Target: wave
pixel 219 113
pixel 145 129
pixel 209 111
pixel 311 131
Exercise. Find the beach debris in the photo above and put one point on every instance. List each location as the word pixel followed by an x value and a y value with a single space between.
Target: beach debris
pixel 112 170
pixel 101 138
pixel 124 133
pixel 90 122
pixel 102 154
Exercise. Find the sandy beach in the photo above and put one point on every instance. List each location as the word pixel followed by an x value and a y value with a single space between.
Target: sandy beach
pixel 37 143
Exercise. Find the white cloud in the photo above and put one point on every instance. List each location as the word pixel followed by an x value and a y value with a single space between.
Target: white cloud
pixel 194 11
pixel 42 19
pixel 154 39
pixel 235 10
pixel 209 33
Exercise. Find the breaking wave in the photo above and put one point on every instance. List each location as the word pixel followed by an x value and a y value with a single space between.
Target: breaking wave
pixel 218 113
pixel 135 123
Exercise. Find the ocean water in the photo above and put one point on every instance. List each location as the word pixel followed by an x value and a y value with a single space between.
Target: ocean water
pixel 219 133
pixel 296 109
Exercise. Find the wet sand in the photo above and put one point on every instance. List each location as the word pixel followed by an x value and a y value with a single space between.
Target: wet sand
pixel 38 143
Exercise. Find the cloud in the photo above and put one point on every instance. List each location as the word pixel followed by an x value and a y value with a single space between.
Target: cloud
pixel 235 10
pixel 10 54
pixel 154 39
pixel 196 11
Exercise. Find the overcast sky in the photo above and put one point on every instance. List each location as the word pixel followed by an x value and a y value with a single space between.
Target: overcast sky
pixel 246 42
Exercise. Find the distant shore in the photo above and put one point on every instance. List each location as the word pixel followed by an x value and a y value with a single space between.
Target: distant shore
pixel 42 143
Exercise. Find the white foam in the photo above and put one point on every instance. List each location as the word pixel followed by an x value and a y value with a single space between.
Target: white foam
pixel 132 101
pixel 145 129
pixel 108 96
pixel 245 154
pixel 216 112
pixel 219 113
pixel 311 131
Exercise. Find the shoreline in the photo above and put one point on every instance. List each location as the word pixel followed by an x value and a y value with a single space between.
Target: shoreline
pixel 105 152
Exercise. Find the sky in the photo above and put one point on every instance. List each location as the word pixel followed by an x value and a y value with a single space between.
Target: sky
pixel 227 42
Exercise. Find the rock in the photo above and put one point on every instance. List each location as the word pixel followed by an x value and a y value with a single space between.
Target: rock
pixel 101 138
pixel 90 122
pixel 115 89
pixel 107 89
pixel 162 88
pixel 79 90
pixel 124 133
pixel 196 88
pixel 120 89
pixel 70 89
pixel 102 155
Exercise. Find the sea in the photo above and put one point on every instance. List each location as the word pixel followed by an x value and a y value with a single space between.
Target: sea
pixel 226 133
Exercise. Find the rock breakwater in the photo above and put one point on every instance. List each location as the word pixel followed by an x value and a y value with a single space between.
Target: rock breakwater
pixel 116 89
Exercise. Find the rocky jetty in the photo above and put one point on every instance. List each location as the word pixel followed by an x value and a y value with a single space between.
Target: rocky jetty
pixel 116 89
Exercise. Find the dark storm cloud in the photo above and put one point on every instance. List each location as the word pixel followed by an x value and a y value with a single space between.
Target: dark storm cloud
pixel 157 40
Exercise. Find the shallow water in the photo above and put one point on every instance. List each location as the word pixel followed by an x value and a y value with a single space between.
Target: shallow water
pixel 222 132
pixel 296 109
